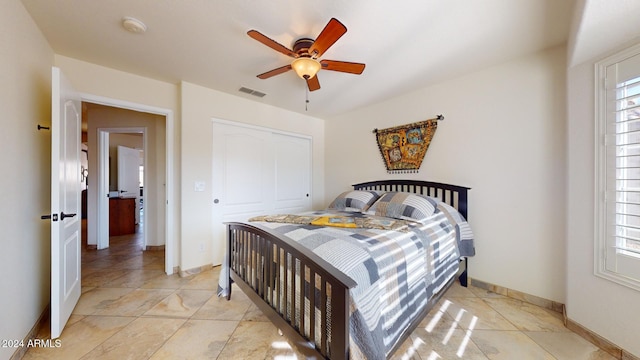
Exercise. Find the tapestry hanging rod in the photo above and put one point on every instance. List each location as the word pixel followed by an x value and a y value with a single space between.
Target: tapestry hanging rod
pixel 437 118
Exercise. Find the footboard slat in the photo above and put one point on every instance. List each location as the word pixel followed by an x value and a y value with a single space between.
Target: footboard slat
pixel 285 289
pixel 323 317
pixel 312 305
pixel 270 270
pixel 302 294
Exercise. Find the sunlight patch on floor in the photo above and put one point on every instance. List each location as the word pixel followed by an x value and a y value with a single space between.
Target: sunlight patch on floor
pixel 467 336
pixel 412 349
pixel 437 318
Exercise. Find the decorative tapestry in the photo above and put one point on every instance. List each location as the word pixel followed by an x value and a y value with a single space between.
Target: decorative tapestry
pixel 403 147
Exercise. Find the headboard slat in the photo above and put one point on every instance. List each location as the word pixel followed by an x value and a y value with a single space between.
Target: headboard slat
pixel 453 195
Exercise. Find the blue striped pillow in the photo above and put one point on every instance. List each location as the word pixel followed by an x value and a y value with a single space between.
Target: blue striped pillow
pixel 355 200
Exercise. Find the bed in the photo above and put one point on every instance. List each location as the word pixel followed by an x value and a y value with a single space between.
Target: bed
pixel 354 280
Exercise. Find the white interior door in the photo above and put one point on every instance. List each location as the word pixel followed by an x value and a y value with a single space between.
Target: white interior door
pixel 128 172
pixel 65 201
pixel 129 175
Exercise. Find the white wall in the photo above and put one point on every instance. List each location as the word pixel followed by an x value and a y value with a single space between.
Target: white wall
pixel 503 136
pixel 600 305
pixel 199 106
pixel 25 188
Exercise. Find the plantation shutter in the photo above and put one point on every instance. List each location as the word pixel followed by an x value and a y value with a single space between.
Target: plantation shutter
pixel 622 168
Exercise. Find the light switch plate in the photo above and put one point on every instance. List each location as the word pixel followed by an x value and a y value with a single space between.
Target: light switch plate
pixel 199 186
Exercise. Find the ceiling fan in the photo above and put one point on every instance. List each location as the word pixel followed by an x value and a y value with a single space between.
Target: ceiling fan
pixel 306 53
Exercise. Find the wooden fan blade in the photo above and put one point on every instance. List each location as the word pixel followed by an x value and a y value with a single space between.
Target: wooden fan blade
pixel 342 66
pixel 271 43
pixel 313 83
pixel 275 72
pixel 329 35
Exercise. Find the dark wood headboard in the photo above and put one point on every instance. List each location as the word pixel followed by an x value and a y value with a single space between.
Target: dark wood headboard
pixel 453 195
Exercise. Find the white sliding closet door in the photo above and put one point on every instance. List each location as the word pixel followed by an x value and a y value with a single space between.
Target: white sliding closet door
pixel 256 171
pixel 292 173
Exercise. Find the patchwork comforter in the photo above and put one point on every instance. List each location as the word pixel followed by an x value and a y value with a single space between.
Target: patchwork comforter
pixel 397 264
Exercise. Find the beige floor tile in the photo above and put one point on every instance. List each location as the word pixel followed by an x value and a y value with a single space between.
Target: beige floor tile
pixel 138 340
pixel 252 340
pixel 482 293
pixel 218 308
pixel 281 349
pixel 206 280
pixel 508 345
pixel 528 317
pixel 408 350
pixel 135 278
pixel 457 290
pixel 135 303
pixel 452 344
pixel 197 339
pixel 437 320
pixel 102 277
pixel 474 313
pixel 181 303
pixel 85 289
pixel 254 314
pixel 165 282
pixel 81 337
pixel 98 298
pixel 568 346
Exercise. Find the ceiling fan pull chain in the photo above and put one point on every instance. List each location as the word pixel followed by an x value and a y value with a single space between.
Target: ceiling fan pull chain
pixel 306 102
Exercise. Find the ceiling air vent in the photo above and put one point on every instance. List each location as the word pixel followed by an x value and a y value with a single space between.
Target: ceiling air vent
pixel 251 92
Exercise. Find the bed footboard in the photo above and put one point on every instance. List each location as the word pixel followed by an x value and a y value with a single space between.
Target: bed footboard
pixel 302 294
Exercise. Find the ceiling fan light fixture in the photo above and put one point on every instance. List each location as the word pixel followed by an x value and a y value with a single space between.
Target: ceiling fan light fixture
pixel 306 67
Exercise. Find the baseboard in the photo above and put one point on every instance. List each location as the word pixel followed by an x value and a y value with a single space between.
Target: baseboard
pixel 92 247
pixel 42 320
pixel 585 333
pixel 599 341
pixel 155 248
pixel 528 298
pixel 196 270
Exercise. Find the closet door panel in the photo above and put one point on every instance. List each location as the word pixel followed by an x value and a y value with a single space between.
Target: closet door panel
pixel 256 171
pixel 292 173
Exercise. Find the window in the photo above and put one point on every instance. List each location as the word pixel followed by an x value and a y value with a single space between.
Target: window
pixel 618 168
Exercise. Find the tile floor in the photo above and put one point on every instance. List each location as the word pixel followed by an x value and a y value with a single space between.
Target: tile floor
pixel 129 309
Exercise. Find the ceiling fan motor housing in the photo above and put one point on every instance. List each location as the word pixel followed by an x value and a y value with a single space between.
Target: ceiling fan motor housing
pixel 301 47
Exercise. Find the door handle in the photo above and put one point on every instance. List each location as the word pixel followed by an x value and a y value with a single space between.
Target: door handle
pixel 63 215
pixel 53 217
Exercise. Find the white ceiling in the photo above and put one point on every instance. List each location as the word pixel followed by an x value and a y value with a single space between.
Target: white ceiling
pixel 406 45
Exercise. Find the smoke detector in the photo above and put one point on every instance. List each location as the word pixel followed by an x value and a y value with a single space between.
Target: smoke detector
pixel 134 25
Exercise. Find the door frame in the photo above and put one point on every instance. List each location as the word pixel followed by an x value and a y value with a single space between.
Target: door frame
pixel 103 173
pixel 170 211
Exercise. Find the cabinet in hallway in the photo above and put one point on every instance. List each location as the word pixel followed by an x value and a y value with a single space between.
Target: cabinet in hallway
pixel 122 216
